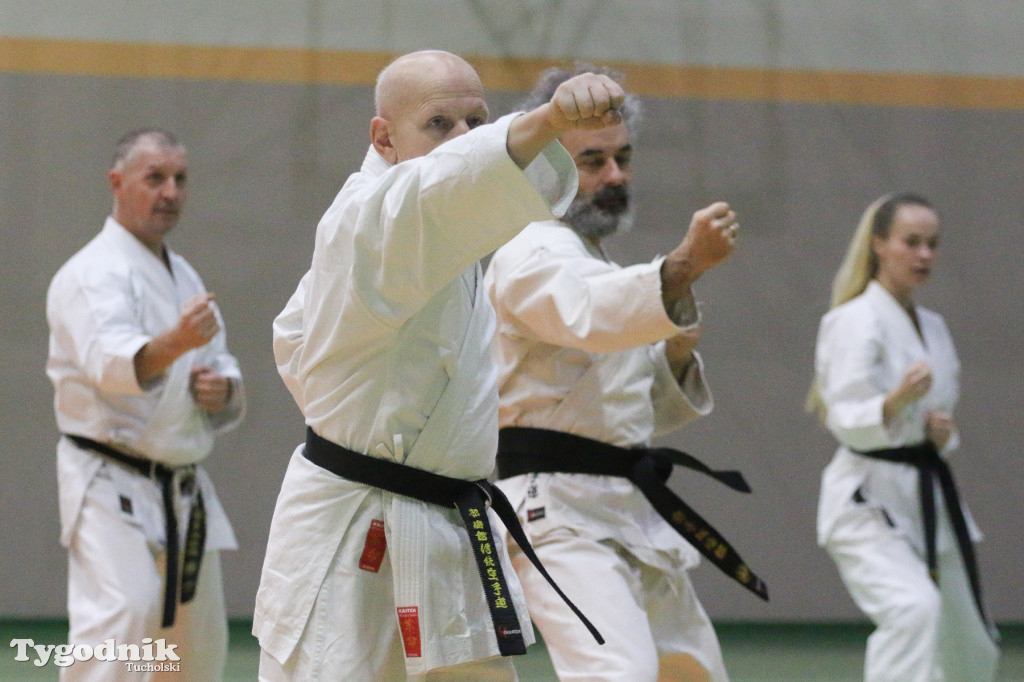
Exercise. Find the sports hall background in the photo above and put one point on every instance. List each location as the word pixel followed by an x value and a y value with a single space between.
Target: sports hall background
pixel 798 112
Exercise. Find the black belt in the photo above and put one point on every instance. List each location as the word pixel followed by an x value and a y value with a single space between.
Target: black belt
pixel 195 539
pixel 931 466
pixel 524 450
pixel 471 499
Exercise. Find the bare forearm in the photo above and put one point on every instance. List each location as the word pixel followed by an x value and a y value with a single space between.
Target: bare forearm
pixel 529 134
pixel 679 366
pixel 196 326
pixel 915 384
pixel 155 357
pixel 891 406
pixel 679 351
pixel 678 273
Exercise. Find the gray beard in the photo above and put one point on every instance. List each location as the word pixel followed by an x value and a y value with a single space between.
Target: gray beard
pixel 592 223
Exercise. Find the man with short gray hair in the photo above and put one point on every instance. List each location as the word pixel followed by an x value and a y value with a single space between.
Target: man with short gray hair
pixel 143 383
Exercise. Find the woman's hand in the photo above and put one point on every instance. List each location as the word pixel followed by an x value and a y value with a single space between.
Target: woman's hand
pixel 915 384
pixel 938 427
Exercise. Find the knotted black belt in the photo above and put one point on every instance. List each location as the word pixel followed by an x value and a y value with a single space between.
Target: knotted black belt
pixel 523 450
pixel 931 466
pixel 471 499
pixel 195 538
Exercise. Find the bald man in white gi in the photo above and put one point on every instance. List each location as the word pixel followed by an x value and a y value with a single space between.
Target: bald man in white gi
pixel 385 347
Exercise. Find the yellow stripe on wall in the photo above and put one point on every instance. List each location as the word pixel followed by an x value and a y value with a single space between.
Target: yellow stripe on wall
pixel 295 65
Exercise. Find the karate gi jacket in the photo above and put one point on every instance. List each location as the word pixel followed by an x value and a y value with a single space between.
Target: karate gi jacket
pixel 864 348
pixel 110 299
pixel 386 348
pixel 580 349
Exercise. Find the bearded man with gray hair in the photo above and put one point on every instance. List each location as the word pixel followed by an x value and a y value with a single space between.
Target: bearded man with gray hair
pixel 594 360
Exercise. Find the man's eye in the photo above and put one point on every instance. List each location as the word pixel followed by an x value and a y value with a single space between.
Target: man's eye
pixel 474 121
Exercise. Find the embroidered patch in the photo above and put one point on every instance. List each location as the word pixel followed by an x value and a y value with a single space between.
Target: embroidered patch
pixel 373 550
pixel 409 623
pixel 534 514
pixel 126 505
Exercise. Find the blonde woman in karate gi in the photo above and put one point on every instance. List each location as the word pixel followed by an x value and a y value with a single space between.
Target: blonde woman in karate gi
pixel 886 379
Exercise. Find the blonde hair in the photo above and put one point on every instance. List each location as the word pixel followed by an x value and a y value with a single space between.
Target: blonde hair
pixel 860 265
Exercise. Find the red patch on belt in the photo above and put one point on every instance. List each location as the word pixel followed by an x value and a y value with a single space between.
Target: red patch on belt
pixel 409 624
pixel 373 550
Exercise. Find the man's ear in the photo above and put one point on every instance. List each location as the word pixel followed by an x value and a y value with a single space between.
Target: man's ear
pixel 380 135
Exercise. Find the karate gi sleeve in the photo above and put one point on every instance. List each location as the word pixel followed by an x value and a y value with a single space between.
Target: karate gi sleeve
pixel 94 317
pixel 288 341
pixel 431 218
pixel 558 294
pixel 678 402
pixel 852 382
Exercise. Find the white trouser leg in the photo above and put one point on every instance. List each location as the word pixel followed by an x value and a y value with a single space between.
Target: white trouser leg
pixel 629 603
pixel 682 630
pixel 890 584
pixel 200 628
pixel 116 591
pixel 966 650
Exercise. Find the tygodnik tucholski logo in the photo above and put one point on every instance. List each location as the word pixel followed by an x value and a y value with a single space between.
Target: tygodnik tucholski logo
pixel 150 656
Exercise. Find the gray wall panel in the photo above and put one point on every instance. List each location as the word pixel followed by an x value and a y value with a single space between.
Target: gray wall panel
pixel 267 160
pixel 930 36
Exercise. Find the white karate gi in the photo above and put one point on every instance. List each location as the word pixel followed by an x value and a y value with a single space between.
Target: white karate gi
pixel 103 305
pixel 580 350
pixel 386 348
pixel 869 512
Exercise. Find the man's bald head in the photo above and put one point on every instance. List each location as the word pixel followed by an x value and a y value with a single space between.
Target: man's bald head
pixel 415 71
pixel 423 99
